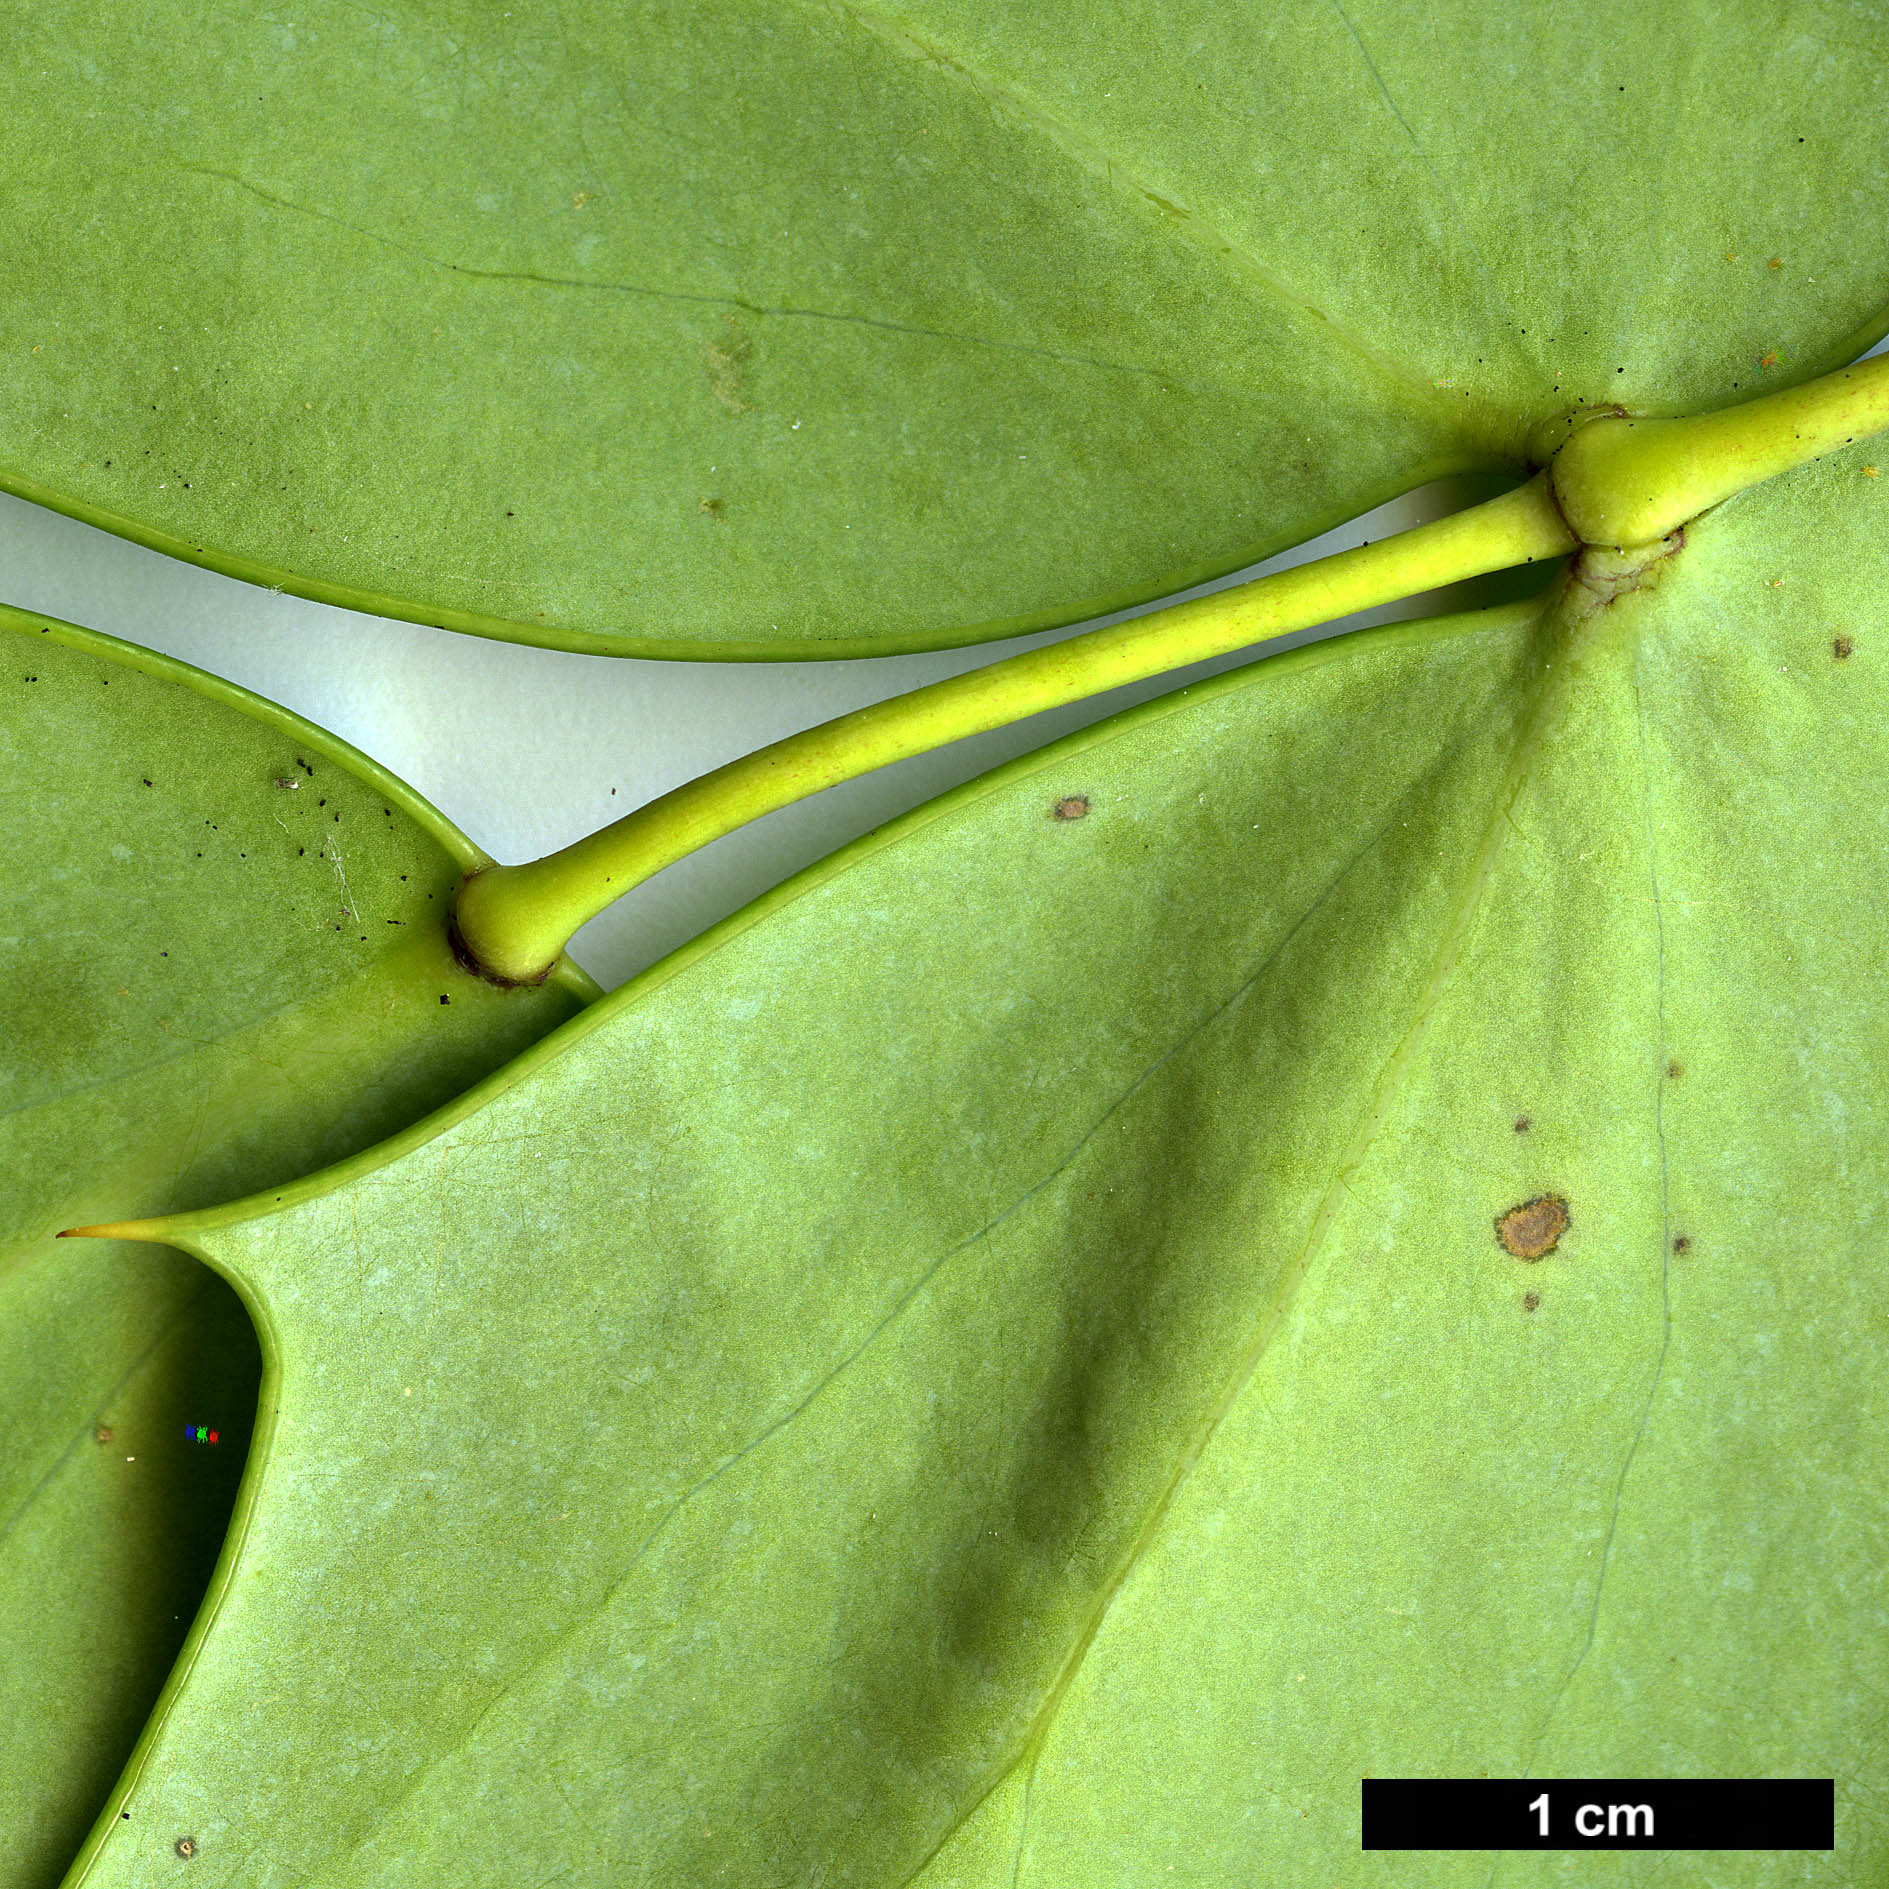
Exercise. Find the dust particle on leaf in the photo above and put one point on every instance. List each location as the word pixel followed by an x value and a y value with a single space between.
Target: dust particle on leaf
pixel 1532 1230
pixel 1843 649
pixel 1070 807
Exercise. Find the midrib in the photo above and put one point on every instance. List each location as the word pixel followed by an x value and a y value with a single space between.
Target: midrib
pixel 1099 161
pixel 1550 697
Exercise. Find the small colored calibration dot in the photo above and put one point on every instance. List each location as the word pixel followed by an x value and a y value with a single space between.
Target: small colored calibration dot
pixel 196 1433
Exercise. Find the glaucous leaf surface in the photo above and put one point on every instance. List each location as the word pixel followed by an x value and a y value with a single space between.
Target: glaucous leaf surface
pixel 756 327
pixel 1329 1226
pixel 222 961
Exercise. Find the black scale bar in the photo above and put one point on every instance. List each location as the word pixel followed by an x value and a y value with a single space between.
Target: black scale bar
pixel 1599 1814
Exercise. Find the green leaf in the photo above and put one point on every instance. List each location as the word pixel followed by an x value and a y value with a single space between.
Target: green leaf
pixel 1328 1226
pixel 222 961
pixel 777 329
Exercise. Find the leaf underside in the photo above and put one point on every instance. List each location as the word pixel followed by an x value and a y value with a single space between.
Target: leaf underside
pixel 766 328
pixel 1015 1362
pixel 208 978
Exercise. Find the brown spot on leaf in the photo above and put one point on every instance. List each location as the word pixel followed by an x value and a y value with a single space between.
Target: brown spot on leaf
pixel 711 508
pixel 1532 1230
pixel 1674 1070
pixel 1070 807
pixel 103 1434
pixel 1531 1301
pixel 1682 1243
pixel 1523 1124
pixel 1843 649
pixel 186 1847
